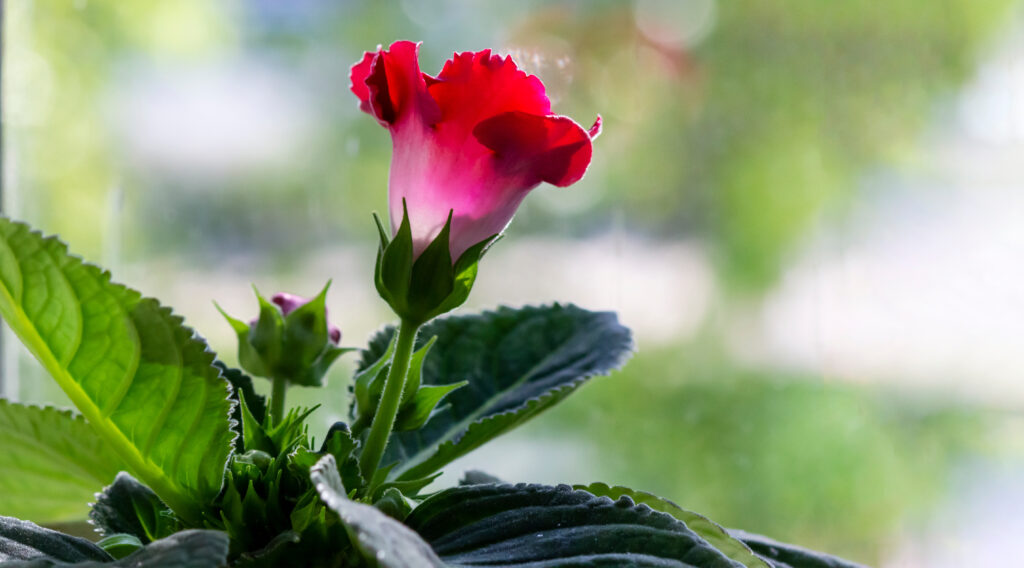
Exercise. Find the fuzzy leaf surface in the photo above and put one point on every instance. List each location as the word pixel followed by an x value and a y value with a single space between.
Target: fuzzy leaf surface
pixel 707 529
pixel 22 540
pixel 536 526
pixel 52 463
pixel 381 540
pixel 518 362
pixel 141 378
pixel 186 549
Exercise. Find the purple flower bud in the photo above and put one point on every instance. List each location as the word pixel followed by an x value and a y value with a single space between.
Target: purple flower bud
pixel 290 302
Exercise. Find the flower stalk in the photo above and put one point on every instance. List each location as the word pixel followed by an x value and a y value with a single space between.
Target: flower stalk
pixel 277 399
pixel 391 398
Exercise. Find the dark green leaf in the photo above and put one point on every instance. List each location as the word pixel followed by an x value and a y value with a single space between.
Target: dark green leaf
pixel 129 507
pixel 340 444
pixel 242 383
pixel 186 549
pixel 382 540
pixel 52 463
pixel 22 540
pixel 781 555
pixel 707 529
pixel 542 526
pixel 477 477
pixel 142 380
pixel 518 363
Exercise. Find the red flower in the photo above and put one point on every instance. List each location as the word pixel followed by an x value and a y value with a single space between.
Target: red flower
pixel 475 140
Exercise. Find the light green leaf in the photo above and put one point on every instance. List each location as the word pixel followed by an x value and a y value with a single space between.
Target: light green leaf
pixel 141 379
pixel 707 529
pixel 381 540
pixel 518 362
pixel 52 463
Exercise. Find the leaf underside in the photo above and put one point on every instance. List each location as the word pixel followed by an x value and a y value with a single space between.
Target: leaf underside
pixel 141 378
pixel 538 526
pixel 518 362
pixel 380 539
pixel 52 463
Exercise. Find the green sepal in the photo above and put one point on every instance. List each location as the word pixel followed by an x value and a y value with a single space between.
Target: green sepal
pixel 394 267
pixel 416 413
pixel 296 347
pixel 304 341
pixel 422 288
pixel 120 545
pixel 393 504
pixel 465 275
pixel 382 231
pixel 433 275
pixel 254 436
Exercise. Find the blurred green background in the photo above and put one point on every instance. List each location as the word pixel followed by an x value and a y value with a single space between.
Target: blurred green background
pixel 196 146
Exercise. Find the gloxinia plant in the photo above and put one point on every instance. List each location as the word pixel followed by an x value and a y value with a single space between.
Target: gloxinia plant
pixel 196 469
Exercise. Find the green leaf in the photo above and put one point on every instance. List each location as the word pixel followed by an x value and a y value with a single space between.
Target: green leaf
pixel 381 540
pixel 414 378
pixel 339 443
pixel 120 545
pixel 52 463
pixel 781 555
pixel 707 529
pixel 22 540
pixel 242 386
pixel 367 381
pixel 142 380
pixel 518 362
pixel 538 525
pixel 129 507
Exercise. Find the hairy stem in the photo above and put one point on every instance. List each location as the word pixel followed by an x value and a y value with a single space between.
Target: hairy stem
pixel 280 386
pixel 384 419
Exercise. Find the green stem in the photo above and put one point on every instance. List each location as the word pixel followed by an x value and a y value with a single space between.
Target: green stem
pixel 384 419
pixel 277 400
